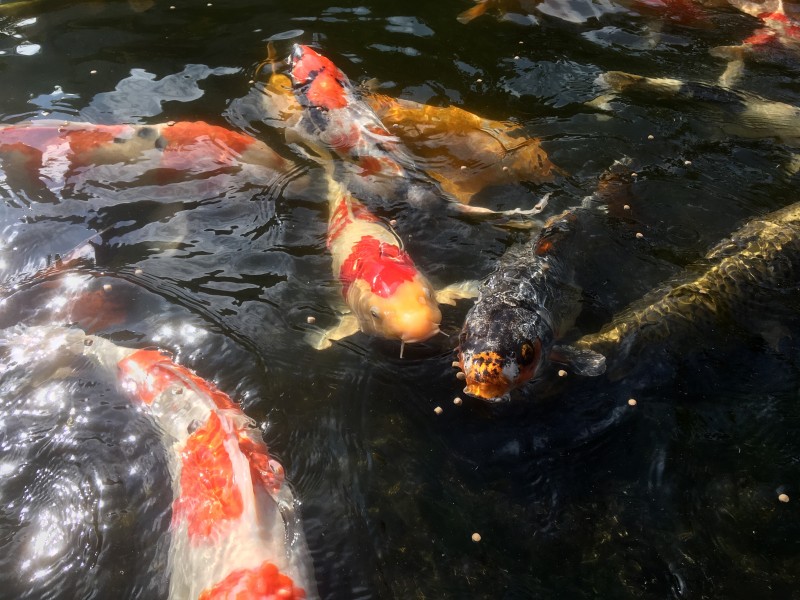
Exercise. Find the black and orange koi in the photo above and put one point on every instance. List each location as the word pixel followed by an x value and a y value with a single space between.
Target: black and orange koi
pixel 523 307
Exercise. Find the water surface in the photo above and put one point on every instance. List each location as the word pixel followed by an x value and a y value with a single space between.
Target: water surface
pixel 575 493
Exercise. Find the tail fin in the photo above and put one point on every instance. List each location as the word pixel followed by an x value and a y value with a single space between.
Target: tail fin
pixel 474 12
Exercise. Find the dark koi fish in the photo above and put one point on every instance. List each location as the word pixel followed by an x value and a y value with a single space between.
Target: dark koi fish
pixel 523 307
pixel 235 532
pixel 758 261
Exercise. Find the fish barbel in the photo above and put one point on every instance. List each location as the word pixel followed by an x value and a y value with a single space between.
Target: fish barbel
pixel 758 261
pixel 235 531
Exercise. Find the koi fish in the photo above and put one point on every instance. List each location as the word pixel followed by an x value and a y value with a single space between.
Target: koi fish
pixel 529 301
pixel 758 261
pixel 334 120
pixel 386 294
pixel 776 42
pixel 523 307
pixel 63 153
pixel 521 11
pixel 464 152
pixel 748 115
pixel 235 532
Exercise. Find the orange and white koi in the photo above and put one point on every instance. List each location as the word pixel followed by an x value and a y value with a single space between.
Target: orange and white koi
pixel 235 531
pixel 386 294
pixel 62 152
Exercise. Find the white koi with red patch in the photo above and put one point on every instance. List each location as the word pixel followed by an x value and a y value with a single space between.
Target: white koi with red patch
pixel 235 532
pixel 386 293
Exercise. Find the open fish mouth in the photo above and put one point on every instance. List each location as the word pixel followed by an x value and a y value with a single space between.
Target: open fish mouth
pixel 485 375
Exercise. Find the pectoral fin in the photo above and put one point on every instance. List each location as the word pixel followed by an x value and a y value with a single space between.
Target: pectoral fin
pixel 319 340
pixel 581 360
pixel 457 291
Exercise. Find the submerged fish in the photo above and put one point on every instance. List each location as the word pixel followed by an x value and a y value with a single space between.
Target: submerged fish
pixel 235 531
pixel 523 307
pixel 63 153
pixel 572 11
pixel 464 152
pixel 748 115
pixel 759 261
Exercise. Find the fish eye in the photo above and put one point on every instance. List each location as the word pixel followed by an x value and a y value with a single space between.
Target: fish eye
pixel 375 312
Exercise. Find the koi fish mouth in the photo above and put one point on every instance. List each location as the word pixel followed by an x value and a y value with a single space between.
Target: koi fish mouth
pixel 491 376
pixel 484 375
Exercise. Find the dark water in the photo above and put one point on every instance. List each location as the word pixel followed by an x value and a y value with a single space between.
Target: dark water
pixel 575 493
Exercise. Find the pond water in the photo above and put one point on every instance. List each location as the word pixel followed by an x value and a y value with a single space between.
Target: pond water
pixel 575 493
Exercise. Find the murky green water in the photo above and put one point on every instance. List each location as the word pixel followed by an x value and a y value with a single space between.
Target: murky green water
pixel 575 493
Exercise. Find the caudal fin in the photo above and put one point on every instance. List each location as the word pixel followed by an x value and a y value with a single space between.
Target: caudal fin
pixel 474 12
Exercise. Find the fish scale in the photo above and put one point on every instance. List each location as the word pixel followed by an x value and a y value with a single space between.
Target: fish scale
pixel 756 262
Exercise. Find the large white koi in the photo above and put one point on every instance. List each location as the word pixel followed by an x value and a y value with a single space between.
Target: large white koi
pixel 235 532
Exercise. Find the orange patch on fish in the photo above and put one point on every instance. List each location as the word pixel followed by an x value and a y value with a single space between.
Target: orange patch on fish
pixel 324 78
pixel 260 583
pixel 269 472
pixel 85 140
pixel 148 382
pixel 209 496
pixel 484 375
pixel 188 133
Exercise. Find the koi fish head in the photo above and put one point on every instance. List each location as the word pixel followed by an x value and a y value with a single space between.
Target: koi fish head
pixel 500 351
pixel 390 297
pixel 319 80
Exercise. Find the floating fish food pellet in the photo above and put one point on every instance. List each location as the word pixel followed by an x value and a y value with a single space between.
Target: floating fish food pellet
pixel 626 207
pixel 460 375
pixel 311 319
pixel 651 137
pixel 457 401
pixel 783 497
pixel 476 537
pixel 639 235
pixel 438 410
pixel 562 373
pixel 632 401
